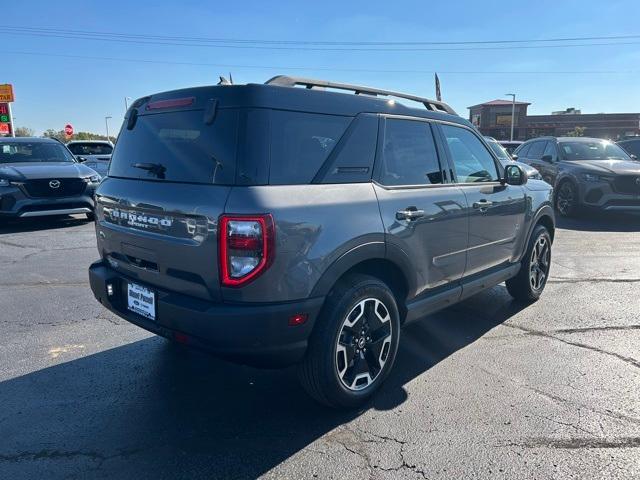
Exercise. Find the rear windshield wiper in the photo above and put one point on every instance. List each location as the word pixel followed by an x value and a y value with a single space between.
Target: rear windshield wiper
pixel 156 169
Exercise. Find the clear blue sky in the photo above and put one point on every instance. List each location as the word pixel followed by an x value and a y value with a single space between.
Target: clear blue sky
pixel 54 90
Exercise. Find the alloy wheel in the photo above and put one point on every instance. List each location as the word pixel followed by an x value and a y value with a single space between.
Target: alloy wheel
pixel 364 343
pixel 566 198
pixel 539 263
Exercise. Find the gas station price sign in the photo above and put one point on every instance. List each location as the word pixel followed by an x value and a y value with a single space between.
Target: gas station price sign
pixel 4 113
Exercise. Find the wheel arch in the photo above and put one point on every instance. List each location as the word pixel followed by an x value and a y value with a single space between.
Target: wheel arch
pixel 372 259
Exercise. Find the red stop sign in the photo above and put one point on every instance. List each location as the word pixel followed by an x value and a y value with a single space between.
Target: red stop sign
pixel 68 129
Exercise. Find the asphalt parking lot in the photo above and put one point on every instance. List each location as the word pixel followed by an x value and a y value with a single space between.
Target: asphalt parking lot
pixel 487 388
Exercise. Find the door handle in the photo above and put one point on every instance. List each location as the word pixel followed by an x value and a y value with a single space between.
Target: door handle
pixel 410 213
pixel 482 205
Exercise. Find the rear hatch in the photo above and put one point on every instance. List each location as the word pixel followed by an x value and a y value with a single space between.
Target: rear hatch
pixel 170 175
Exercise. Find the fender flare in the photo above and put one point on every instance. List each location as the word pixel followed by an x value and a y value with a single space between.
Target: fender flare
pixel 544 211
pixel 374 250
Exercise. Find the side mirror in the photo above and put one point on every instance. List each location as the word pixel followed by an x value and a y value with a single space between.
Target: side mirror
pixel 514 157
pixel 81 159
pixel 547 158
pixel 514 175
pixel 633 157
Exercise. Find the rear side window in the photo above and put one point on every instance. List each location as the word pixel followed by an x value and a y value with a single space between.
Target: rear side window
pixel 473 162
pixel 300 143
pixel 631 146
pixel 409 154
pixel 178 147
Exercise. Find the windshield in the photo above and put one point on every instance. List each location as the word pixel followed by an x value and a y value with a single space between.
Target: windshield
pixel 500 152
pixel 21 152
pixel 596 150
pixel 90 148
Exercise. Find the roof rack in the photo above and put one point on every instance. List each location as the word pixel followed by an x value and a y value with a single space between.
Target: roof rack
pixel 287 81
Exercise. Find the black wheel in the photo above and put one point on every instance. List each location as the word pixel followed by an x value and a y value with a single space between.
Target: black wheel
pixel 528 285
pixel 354 344
pixel 567 199
pixel 91 216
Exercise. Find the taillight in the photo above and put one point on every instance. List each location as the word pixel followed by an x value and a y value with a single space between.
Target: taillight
pixel 246 244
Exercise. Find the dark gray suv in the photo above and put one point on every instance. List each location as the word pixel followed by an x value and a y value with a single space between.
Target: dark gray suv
pixel 586 172
pixel 277 225
pixel 40 177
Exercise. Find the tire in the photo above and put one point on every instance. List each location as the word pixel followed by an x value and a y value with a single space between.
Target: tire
pixel 529 283
pixel 91 216
pixel 332 371
pixel 567 202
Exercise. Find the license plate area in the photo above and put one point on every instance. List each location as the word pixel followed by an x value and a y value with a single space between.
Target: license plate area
pixel 141 300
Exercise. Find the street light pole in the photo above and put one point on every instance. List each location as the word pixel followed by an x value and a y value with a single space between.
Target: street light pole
pixel 126 103
pixel 106 124
pixel 513 111
pixel 12 121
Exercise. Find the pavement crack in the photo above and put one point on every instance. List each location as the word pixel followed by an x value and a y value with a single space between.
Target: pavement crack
pixel 596 329
pixel 628 360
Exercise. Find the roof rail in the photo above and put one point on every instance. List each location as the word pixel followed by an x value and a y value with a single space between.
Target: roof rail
pixel 287 81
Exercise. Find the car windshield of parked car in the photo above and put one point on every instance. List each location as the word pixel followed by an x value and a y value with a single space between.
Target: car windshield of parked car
pixel 90 148
pixel 21 152
pixel 602 150
pixel 500 151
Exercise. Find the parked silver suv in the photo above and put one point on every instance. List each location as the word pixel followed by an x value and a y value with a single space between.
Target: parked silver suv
pixel 277 225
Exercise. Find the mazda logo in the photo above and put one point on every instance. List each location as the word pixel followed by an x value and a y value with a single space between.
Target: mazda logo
pixel 54 183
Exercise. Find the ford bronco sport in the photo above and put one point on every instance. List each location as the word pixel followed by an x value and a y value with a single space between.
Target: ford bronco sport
pixel 279 225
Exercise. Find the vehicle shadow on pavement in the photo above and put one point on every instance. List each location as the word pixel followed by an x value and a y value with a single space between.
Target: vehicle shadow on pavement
pixel 600 222
pixel 20 225
pixel 154 410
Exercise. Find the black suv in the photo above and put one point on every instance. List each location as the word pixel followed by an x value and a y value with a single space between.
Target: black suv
pixel 277 225
pixel 586 172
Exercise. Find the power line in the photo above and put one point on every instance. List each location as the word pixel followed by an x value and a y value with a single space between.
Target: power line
pixel 321 68
pixel 233 44
pixel 312 42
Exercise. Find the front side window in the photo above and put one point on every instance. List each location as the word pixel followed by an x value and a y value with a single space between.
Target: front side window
pixel 472 161
pixel 536 150
pixel 409 154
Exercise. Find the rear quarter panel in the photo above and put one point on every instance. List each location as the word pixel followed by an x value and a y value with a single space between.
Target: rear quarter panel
pixel 315 226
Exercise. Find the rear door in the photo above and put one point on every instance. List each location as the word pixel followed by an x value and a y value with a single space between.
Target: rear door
pixel 157 212
pixel 423 214
pixel 496 211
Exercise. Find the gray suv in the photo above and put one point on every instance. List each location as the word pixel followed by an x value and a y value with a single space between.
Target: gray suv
pixel 278 225
pixel 586 172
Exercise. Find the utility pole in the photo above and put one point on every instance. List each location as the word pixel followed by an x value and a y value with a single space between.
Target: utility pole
pixel 513 111
pixel 106 123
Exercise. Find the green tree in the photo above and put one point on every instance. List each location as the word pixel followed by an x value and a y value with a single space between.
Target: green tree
pixel 577 132
pixel 51 133
pixel 24 132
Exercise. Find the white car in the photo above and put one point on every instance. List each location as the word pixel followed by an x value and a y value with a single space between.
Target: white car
pixel 95 154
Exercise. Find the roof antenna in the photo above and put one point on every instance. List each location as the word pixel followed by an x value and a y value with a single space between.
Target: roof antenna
pixel 224 81
pixel 230 79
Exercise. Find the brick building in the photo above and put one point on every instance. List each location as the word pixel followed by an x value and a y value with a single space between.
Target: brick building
pixel 494 119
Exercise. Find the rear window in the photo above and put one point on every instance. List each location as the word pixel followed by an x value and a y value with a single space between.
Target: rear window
pixel 300 143
pixel 90 148
pixel 178 147
pixel 240 147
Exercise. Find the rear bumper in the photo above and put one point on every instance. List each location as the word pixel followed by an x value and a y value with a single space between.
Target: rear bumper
pixel 248 333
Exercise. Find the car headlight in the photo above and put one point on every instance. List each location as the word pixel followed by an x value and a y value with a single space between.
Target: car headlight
pixel 4 182
pixel 592 177
pixel 93 179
